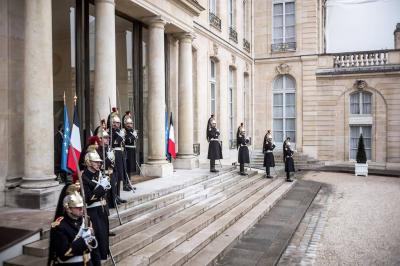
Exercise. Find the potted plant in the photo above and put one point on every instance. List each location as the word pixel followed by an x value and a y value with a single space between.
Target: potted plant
pixel 361 165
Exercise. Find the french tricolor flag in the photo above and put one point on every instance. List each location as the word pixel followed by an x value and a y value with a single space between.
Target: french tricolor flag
pixel 75 144
pixel 171 139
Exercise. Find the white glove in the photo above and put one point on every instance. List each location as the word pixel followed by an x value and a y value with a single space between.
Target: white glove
pixel 105 183
pixel 135 134
pixel 111 156
pixel 121 133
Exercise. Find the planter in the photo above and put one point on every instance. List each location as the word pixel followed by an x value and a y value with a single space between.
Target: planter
pixel 361 169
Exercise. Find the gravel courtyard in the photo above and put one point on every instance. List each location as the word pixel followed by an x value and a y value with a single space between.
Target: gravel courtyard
pixel 352 221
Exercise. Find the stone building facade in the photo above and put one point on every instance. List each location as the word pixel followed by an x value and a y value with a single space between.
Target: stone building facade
pixel 190 58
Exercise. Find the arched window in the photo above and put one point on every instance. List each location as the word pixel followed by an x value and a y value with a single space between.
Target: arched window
pixel 284 108
pixel 360 103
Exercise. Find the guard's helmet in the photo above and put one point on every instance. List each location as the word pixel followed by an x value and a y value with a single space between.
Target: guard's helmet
pixel 288 144
pixel 102 133
pixel 73 200
pixel 213 122
pixel 128 120
pixel 92 156
pixel 115 119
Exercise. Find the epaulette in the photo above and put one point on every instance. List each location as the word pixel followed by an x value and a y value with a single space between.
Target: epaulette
pixel 57 222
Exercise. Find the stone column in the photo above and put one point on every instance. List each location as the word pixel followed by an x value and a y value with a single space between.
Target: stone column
pixel 38 188
pixel 186 159
pixel 157 165
pixel 105 68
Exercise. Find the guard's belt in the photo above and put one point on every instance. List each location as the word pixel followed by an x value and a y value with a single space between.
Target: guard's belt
pixel 268 151
pixel 75 259
pixel 97 203
pixel 214 139
pixel 130 146
pixel 119 149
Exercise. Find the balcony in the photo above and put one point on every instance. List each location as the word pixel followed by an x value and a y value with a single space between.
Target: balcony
pixel 233 34
pixel 283 47
pixel 215 21
pixel 359 62
pixel 246 45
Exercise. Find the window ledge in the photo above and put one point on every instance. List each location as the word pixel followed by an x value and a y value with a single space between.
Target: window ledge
pixel 360 120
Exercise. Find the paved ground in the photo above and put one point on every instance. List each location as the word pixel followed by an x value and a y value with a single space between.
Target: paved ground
pixel 264 243
pixel 352 221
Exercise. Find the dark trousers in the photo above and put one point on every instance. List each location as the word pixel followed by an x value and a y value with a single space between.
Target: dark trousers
pixel 212 164
pixel 287 175
pixel 242 168
pixel 267 170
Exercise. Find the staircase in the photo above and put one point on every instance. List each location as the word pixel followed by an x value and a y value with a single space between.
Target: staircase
pixel 301 161
pixel 172 227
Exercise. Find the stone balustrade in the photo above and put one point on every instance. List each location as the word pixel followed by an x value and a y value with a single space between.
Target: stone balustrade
pixel 360 59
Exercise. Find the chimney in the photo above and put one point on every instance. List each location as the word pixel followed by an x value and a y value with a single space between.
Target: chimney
pixel 397 37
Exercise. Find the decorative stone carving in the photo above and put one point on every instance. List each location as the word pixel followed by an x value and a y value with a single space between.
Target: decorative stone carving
pixel 360 84
pixel 283 69
pixel 233 59
pixel 215 48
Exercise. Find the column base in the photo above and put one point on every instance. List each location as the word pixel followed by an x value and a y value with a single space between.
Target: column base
pixel 157 170
pixel 186 163
pixel 33 198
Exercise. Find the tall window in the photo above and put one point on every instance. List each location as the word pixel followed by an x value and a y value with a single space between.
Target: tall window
pixel 284 22
pixel 284 109
pixel 355 132
pixel 231 89
pixel 245 96
pixel 231 18
pixel 213 84
pixel 213 6
pixel 360 103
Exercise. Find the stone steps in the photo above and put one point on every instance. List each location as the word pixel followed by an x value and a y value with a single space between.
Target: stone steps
pixel 128 246
pixel 178 246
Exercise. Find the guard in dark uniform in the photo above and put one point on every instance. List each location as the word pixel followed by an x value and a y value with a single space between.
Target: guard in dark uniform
pixel 95 186
pixel 243 154
pixel 70 243
pixel 130 149
pixel 268 147
pixel 117 145
pixel 93 144
pixel 288 157
pixel 125 117
pixel 214 146
pixel 103 126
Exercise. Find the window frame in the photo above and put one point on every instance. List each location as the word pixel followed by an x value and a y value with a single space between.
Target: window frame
pixel 213 86
pixel 283 2
pixel 360 130
pixel 231 101
pixel 213 6
pixel 361 110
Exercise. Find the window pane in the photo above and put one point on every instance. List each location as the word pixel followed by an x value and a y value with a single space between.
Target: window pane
pixel 278 9
pixel 278 136
pixel 290 99
pixel 289 32
pixel 354 132
pixel 289 8
pixel 366 106
pixel 366 131
pixel 291 135
pixel 278 112
pixel 278 32
pixel 278 99
pixel 290 111
pixel 212 90
pixel 212 69
pixel 289 20
pixel 278 84
pixel 278 21
pixel 280 40
pixel 290 124
pixel 289 82
pixel 278 124
pixel 213 106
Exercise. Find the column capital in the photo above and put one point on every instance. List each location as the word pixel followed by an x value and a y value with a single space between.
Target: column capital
pixel 185 36
pixel 106 1
pixel 155 21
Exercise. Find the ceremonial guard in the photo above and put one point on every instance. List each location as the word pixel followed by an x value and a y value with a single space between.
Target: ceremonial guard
pixel 118 138
pixel 92 145
pixel 214 146
pixel 70 241
pixel 268 147
pixel 126 115
pixel 130 148
pixel 241 142
pixel 288 159
pixel 102 126
pixel 95 186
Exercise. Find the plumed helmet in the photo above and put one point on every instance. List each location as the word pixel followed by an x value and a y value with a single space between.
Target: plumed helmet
pixel 115 119
pixel 73 200
pixel 288 144
pixel 128 120
pixel 102 133
pixel 92 156
pixel 213 121
pixel 93 140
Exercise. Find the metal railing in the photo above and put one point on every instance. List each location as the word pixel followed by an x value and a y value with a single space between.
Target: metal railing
pixel 233 34
pixel 215 21
pixel 285 46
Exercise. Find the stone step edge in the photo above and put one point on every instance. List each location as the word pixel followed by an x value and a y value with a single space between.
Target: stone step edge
pixel 193 245
pixel 186 202
pixel 151 196
pixel 218 247
pixel 23 260
pixel 132 213
pixel 253 198
pixel 127 251
pixel 137 200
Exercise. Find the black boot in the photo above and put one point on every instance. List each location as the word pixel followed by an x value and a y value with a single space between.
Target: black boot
pixel 212 166
pixel 268 172
pixel 288 177
pixel 242 169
